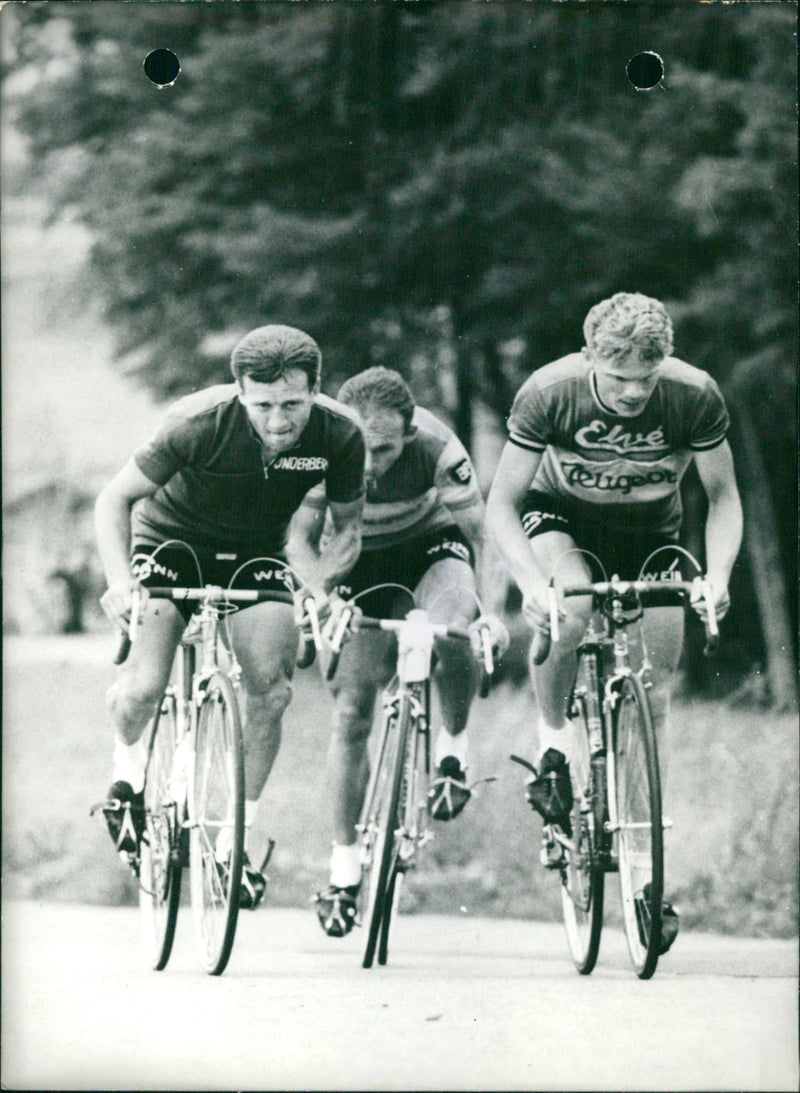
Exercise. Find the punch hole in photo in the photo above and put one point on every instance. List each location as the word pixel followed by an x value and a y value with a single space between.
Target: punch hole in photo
pixel 162 67
pixel 645 70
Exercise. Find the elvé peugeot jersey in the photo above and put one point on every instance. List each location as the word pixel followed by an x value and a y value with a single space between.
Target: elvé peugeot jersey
pixel 432 478
pixel 216 487
pixel 617 469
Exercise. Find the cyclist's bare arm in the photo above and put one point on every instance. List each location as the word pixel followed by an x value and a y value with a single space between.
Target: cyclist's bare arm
pixel 112 517
pixel 324 567
pixel 723 531
pixel 512 480
pixel 489 575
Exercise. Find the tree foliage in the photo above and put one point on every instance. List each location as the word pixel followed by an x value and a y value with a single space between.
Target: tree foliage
pixel 425 182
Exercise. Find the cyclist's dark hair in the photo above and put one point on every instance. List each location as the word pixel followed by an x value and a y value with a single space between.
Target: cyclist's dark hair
pixel 267 352
pixel 629 322
pixel 379 388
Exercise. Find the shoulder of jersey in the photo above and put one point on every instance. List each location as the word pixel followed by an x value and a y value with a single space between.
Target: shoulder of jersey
pixel 338 409
pixel 429 425
pixel 573 366
pixel 205 401
pixel 564 370
pixel 678 371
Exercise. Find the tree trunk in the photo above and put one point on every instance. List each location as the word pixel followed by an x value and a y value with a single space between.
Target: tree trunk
pixel 763 551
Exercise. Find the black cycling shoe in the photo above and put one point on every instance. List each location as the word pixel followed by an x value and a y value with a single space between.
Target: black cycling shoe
pixel 253 884
pixel 670 920
pixel 550 792
pixel 125 817
pixel 449 792
pixel 253 887
pixel 337 909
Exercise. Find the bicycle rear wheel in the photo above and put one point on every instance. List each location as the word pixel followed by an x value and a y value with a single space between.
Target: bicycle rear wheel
pixel 641 830
pixel 381 823
pixel 217 823
pixel 160 864
pixel 583 875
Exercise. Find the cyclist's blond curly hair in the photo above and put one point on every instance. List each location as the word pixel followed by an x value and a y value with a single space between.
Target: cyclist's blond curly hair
pixel 629 322
pixel 267 352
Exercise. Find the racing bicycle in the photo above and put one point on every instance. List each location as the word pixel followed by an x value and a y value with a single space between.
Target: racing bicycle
pixel 616 824
pixel 393 824
pixel 194 778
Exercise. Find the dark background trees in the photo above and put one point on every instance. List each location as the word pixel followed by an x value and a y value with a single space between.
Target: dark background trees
pixel 446 188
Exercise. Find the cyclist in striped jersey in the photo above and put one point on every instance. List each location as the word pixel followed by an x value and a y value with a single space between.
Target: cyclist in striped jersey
pixel 422 527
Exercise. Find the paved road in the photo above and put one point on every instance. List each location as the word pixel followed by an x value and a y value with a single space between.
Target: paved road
pixel 465 1004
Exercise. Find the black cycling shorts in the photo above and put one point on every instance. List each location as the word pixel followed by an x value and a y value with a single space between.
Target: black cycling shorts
pixel 623 551
pixel 175 565
pixel 403 563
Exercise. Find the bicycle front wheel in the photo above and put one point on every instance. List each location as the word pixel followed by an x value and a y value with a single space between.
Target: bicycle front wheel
pixel 381 826
pixel 412 813
pixel 160 864
pixel 641 831
pixel 217 823
pixel 582 874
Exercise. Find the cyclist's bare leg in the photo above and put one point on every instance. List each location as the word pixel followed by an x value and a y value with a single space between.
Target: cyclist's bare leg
pixel 142 678
pixel 447 592
pixel 553 680
pixel 364 667
pixel 264 639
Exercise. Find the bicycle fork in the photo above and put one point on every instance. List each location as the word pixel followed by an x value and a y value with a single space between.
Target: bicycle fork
pixel 414 832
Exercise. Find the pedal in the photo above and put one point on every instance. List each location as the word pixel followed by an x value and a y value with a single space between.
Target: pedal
pixel 551 854
pixel 267 855
pixel 131 860
pixel 479 781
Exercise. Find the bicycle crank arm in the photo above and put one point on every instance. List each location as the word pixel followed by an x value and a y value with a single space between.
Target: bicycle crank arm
pixel 611 828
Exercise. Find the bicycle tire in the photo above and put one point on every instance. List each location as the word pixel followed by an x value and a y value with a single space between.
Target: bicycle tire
pixel 160 863
pixel 640 839
pixel 382 822
pixel 217 813
pixel 415 766
pixel 583 874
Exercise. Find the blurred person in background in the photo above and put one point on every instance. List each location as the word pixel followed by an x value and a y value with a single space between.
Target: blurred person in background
pixel 422 528
pixel 224 473
pixel 598 444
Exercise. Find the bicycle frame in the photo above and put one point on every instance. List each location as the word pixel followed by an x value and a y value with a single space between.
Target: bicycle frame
pixel 415 634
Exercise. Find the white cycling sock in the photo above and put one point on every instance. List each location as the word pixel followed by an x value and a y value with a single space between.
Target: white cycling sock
pixel 560 739
pixel 250 812
pixel 449 744
pixel 129 764
pixel 345 865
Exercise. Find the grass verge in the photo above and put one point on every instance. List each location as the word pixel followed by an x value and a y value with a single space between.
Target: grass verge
pixel 731 791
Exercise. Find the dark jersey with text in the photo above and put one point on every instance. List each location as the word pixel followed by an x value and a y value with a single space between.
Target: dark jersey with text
pixel 614 468
pixel 215 486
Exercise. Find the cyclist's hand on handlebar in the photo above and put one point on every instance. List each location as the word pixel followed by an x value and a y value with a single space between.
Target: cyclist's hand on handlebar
pixel 719 596
pixel 499 638
pixel 343 620
pixel 536 607
pixel 117 600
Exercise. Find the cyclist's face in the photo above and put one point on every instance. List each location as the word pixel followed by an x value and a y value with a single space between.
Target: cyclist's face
pixel 278 411
pixel 384 437
pixel 625 386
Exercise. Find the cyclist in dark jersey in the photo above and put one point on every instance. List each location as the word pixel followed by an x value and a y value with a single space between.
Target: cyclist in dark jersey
pixel 225 472
pixel 598 444
pixel 423 529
